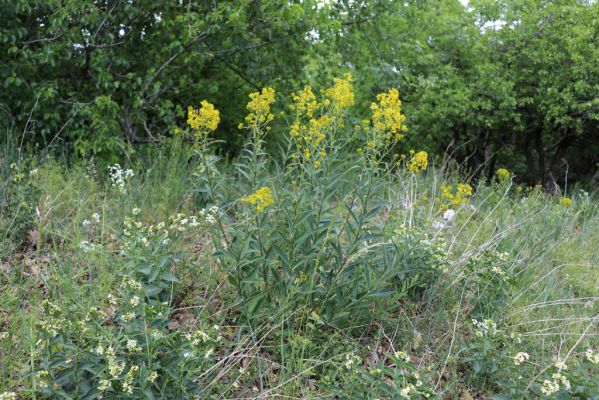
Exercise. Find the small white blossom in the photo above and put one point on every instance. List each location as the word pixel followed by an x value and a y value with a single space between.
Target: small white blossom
pixel 549 387
pixel 592 356
pixel 521 357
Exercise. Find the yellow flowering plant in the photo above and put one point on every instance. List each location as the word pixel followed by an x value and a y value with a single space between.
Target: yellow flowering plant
pixel 418 162
pixel 259 110
pixel 261 199
pixel 455 197
pixel 503 175
pixel 203 120
pixel 315 122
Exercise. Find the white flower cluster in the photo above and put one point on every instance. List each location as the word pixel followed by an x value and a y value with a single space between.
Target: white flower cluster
pixel 8 396
pixel 521 358
pixel 592 356
pixel 351 360
pixel 119 177
pixel 403 356
pixel 87 246
pixel 557 381
pixel 206 217
pixel 211 215
pixel 95 220
pixel 486 327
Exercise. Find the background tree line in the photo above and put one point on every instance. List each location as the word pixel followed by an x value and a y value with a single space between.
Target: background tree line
pixel 499 83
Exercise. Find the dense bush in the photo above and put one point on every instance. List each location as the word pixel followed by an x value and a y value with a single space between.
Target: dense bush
pixel 496 83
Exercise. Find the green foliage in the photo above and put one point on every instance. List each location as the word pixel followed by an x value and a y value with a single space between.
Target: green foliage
pixel 179 274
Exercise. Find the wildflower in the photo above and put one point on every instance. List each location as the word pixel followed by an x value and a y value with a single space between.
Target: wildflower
pixel 520 358
pixel 86 246
pixel 460 196
pixel 203 120
pixel 128 317
pixel 549 387
pixel 403 356
pixel 134 301
pixel 136 211
pixel 115 368
pixel 152 377
pixel 42 378
pixel 502 174
pixel 86 222
pixel 485 327
pixel 387 116
pixel 96 217
pixel 132 346
pixel 562 380
pixel 104 385
pixel 8 396
pixel 419 162
pixel 341 94
pixel 592 356
pixel 119 177
pixel 112 300
pixel 405 392
pixel 565 201
pixel 259 108
pixel 262 198
pixel 304 103
pixel 350 360
pixel 209 353
pixel 561 365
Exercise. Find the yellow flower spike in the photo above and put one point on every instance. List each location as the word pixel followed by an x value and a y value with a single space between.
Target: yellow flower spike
pixel 419 161
pixel 261 199
pixel 203 120
pixel 387 116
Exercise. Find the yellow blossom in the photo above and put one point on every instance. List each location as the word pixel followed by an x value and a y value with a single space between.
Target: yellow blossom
pixel 419 162
pixel 341 94
pixel 262 198
pixel 387 116
pixel 460 196
pixel 259 108
pixel 502 174
pixel 565 201
pixel 305 103
pixel 203 120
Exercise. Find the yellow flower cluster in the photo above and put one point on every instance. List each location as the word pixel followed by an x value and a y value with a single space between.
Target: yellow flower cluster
pixel 262 198
pixel 305 102
pixel 341 94
pixel 565 201
pixel 502 174
pixel 419 161
pixel 308 139
pixel 203 120
pixel 460 196
pixel 259 108
pixel 387 116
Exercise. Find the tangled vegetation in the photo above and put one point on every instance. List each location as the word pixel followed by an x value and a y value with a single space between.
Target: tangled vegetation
pixel 334 267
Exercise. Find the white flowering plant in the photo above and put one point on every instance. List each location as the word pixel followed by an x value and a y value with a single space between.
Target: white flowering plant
pixel 394 377
pixel 124 347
